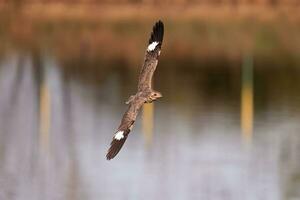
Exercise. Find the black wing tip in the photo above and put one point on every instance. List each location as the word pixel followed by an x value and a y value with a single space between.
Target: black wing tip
pixel 115 147
pixel 157 32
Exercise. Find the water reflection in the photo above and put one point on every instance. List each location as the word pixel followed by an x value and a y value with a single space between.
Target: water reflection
pixel 247 98
pixel 147 117
pixel 72 110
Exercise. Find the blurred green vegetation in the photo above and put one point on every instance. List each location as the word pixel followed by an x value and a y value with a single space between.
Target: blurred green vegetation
pixel 114 32
pixel 157 2
pixel 202 53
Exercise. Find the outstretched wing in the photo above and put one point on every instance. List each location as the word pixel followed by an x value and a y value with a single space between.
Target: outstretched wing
pixel 151 57
pixel 125 127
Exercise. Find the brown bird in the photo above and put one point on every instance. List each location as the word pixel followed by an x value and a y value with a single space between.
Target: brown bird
pixel 145 93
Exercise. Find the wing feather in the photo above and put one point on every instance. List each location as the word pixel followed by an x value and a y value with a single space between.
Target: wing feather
pixel 151 56
pixel 125 127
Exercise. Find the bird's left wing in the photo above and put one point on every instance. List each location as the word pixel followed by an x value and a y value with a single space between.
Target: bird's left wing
pixel 125 127
pixel 151 56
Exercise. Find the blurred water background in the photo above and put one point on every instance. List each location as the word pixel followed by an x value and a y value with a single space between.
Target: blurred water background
pixel 227 127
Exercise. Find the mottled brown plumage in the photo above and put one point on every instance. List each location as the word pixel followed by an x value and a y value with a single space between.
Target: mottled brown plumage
pixel 145 93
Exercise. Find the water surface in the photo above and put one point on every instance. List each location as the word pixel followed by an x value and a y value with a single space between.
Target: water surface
pixel 214 135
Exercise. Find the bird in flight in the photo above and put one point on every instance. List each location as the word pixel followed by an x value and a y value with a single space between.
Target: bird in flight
pixel 145 93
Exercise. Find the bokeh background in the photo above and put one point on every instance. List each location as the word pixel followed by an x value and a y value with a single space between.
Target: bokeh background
pixel 227 128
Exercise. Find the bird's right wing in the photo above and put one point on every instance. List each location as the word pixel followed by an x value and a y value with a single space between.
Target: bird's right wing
pixel 151 57
pixel 125 127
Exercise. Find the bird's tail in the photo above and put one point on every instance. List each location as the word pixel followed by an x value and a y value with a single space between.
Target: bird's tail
pixel 116 144
pixel 156 37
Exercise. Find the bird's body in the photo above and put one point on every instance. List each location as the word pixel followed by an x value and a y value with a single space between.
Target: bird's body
pixel 145 93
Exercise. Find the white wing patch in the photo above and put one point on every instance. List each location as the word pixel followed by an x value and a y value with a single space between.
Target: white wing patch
pixel 152 46
pixel 119 135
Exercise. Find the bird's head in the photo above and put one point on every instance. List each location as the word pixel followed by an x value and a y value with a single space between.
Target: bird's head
pixel 155 95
